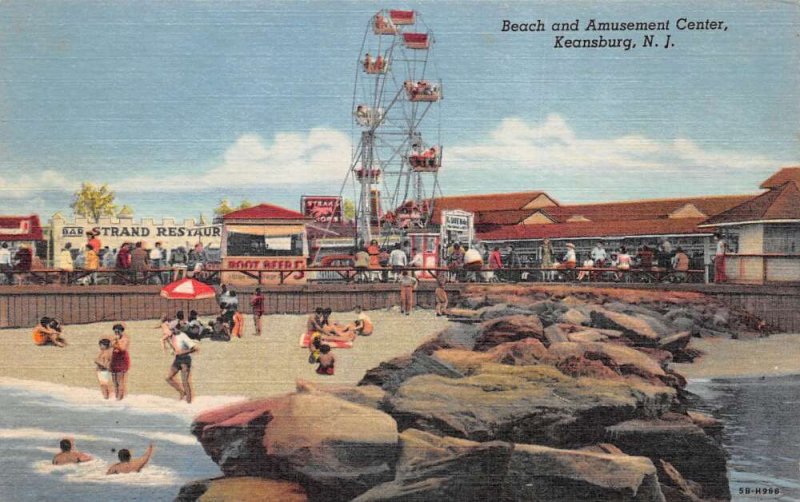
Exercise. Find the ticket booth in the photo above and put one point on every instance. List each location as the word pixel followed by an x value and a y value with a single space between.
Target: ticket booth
pixel 426 244
pixel 264 244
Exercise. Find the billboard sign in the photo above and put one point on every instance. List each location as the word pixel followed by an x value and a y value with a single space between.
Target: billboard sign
pixel 323 208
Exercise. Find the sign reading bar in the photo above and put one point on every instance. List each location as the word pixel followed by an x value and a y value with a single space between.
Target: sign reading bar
pixel 323 208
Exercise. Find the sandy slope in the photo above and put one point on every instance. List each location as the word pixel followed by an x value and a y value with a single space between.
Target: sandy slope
pixel 251 366
pixel 773 355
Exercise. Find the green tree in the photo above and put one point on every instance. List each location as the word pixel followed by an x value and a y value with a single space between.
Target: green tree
pixel 223 208
pixel 348 209
pixel 244 204
pixel 93 202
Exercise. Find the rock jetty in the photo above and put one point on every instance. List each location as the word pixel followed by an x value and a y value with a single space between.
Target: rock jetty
pixel 535 393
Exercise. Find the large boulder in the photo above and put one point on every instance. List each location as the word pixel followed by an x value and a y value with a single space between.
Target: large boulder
pixel 502 310
pixel 526 404
pixel 675 342
pixel 638 331
pixel 541 473
pixel 573 316
pixel 524 352
pixel 444 468
pixel 681 443
pixel 327 444
pixel 509 329
pixel 623 360
pixel 455 336
pixel 390 375
pixel 241 489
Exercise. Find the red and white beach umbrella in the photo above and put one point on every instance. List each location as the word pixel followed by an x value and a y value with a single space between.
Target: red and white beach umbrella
pixel 187 289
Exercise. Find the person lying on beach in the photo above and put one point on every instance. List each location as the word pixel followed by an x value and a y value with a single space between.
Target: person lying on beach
pixel 103 364
pixel 69 455
pixel 326 360
pixel 333 331
pixel 126 465
pixel 43 334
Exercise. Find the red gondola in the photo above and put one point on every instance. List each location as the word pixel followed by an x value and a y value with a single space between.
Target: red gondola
pixel 423 91
pixel 373 175
pixel 383 26
pixel 416 40
pixel 401 16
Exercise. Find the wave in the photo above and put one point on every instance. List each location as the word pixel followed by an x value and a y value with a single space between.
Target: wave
pixel 36 433
pixel 170 437
pixel 59 396
pixel 95 472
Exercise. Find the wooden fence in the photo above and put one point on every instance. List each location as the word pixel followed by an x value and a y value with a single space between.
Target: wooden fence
pixel 23 306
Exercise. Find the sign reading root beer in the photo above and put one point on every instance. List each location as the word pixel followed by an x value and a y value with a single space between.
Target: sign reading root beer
pixel 267 268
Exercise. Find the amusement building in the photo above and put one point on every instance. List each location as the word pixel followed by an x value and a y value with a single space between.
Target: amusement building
pixel 393 182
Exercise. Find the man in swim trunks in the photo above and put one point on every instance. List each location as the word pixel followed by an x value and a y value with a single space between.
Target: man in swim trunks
pixel 69 455
pixel 126 465
pixel 182 346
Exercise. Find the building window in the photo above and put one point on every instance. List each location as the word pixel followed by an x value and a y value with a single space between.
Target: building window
pixel 241 244
pixel 782 238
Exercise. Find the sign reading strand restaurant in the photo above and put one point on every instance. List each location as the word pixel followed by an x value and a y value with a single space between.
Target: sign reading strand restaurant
pixel 323 208
pixel 114 232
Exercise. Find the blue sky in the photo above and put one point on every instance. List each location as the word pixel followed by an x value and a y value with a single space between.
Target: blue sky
pixel 177 104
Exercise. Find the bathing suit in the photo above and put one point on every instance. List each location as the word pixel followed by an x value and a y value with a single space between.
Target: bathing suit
pixel 40 335
pixel 181 360
pixel 104 377
pixel 120 361
pixel 325 370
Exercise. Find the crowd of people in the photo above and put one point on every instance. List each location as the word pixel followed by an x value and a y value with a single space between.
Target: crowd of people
pixel 137 261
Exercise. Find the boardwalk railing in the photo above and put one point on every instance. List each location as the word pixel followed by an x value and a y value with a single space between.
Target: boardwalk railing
pixel 352 274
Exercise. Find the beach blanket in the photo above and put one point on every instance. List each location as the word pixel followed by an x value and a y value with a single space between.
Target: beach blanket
pixel 305 339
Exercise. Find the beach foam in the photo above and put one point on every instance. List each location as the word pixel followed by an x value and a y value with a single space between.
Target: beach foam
pixel 36 434
pixel 95 472
pixel 60 396
pixel 181 439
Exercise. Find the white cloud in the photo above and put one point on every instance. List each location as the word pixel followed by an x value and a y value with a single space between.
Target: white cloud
pixel 553 145
pixel 322 154
pixel 29 184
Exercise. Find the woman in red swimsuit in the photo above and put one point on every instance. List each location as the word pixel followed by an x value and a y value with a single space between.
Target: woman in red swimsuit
pixel 120 361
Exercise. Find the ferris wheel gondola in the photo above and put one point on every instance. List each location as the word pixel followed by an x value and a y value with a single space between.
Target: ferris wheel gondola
pixel 396 128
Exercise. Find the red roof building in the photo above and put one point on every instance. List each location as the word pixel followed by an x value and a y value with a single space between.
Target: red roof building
pixel 265 212
pixel 781 177
pixel 20 228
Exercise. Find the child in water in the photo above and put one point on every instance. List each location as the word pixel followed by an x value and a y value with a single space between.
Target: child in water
pixel 103 363
pixel 326 360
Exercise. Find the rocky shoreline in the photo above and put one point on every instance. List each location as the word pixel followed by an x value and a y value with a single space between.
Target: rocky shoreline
pixel 536 393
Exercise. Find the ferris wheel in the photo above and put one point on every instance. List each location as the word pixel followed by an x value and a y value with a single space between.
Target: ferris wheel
pixel 396 126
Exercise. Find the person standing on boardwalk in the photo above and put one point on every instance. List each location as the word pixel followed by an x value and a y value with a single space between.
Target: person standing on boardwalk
pixel 120 361
pixel 719 259
pixel 441 296
pixel 257 302
pixel 407 285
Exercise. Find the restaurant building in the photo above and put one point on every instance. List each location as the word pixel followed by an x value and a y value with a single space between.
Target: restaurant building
pixel 767 230
pixel 113 232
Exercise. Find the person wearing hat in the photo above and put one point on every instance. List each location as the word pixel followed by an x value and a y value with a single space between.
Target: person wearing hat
pixel 93 240
pixel 570 260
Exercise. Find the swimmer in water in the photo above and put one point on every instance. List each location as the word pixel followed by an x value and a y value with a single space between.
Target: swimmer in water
pixel 69 455
pixel 126 465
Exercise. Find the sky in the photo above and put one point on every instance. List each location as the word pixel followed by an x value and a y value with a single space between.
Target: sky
pixel 178 104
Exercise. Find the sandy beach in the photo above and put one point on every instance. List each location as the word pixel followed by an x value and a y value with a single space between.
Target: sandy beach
pixel 725 358
pixel 251 366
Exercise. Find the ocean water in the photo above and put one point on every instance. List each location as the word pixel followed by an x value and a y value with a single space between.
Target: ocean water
pixel 762 433
pixel 36 416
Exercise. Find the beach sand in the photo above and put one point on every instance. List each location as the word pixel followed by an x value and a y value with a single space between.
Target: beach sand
pixel 251 366
pixel 725 358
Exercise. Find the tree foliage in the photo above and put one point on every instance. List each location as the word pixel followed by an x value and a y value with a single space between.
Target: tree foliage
pixel 348 209
pixel 93 202
pixel 223 208
pixel 244 205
